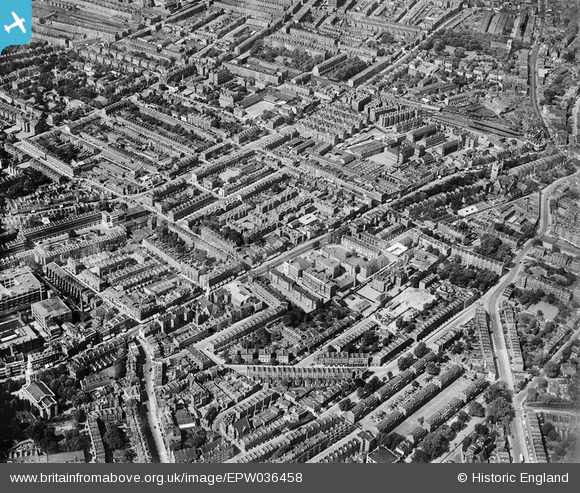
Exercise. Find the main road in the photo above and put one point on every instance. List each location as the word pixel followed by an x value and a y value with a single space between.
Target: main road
pixel 152 411
pixel 534 70
pixel 492 306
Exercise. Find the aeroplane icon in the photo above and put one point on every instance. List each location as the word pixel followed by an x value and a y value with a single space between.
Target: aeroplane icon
pixel 17 23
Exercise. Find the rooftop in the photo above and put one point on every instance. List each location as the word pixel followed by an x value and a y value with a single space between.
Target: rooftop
pixel 52 307
pixel 17 281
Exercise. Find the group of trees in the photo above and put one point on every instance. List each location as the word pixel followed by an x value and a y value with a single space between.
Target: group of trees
pixel 259 340
pixel 348 69
pixel 369 387
pixel 467 40
pixel 294 317
pixel 322 317
pixel 74 440
pixel 114 438
pixel 345 404
pixel 298 59
pixel 195 438
pixel 448 185
pixel 406 325
pixel 432 368
pixel 508 230
pixel 476 409
pixel 481 435
pixel 177 129
pixel 533 337
pixel 467 277
pixel 389 440
pixel 564 449
pixel 23 185
pixel 120 364
pixel 172 239
pixel 405 361
pixel 370 342
pixel 528 297
pixel 539 393
pixel 554 91
pixel 67 152
pixel 549 431
pixel 434 444
pixel 552 369
pixel 10 426
pixel 44 436
pixel 233 235
pixel 499 404
pixel 66 388
pixel 491 246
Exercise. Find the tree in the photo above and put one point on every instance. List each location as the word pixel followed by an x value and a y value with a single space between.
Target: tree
pixel 79 415
pixel 294 317
pixel 552 369
pixel 405 362
pixel 550 432
pixel 476 409
pixel 498 389
pixel 436 443
pixel 553 435
pixel 500 411
pixel 466 443
pixel 369 338
pixel 420 456
pixel 390 440
pixel 421 350
pixel 113 437
pixel 456 426
pixel 345 404
pixel 44 436
pixel 432 368
pixel 481 429
pixel 228 418
pixel 197 439
pixel 121 365
pixel 372 385
pixel 129 455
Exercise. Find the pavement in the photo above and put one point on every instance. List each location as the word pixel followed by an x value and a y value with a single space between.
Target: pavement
pixel 152 412
pixel 575 122
pixel 534 70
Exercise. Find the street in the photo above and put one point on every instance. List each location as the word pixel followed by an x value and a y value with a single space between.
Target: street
pixel 152 413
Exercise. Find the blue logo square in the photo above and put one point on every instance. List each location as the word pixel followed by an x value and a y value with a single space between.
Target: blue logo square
pixel 15 22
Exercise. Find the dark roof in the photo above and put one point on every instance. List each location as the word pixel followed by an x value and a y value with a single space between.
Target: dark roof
pixel 38 390
pixel 383 456
pixel 242 425
pixel 185 455
pixel 184 417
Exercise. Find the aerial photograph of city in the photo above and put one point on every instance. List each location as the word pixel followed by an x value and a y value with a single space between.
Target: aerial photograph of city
pixel 290 231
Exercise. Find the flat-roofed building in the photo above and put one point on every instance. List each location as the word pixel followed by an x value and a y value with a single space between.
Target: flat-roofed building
pixel 16 336
pixel 51 312
pixel 18 289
